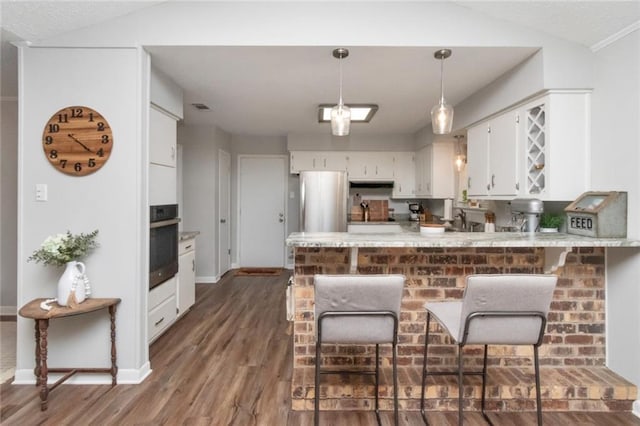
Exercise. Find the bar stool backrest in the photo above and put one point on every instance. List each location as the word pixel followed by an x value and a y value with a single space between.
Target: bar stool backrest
pixel 358 293
pixel 503 308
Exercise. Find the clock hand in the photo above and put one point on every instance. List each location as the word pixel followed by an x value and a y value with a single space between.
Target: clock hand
pixel 77 141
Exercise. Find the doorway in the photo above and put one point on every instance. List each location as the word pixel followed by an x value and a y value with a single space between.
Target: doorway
pixel 224 212
pixel 261 208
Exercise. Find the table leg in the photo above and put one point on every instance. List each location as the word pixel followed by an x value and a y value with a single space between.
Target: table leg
pixel 36 369
pixel 44 389
pixel 114 367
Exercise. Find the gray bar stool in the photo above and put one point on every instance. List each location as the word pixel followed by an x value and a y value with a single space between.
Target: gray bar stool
pixel 357 309
pixel 495 310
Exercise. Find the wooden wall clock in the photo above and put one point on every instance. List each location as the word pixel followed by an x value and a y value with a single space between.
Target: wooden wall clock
pixel 77 140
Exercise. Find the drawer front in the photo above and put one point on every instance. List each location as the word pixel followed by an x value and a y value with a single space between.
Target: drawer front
pixel 161 317
pixel 187 246
pixel 160 293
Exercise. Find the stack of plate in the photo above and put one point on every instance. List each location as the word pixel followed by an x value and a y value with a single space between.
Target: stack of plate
pixel 431 228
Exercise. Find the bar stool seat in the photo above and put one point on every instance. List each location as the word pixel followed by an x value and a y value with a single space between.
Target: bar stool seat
pixel 357 309
pixel 506 309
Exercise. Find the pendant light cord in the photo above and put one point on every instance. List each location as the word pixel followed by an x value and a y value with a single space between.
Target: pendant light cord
pixel 340 103
pixel 441 81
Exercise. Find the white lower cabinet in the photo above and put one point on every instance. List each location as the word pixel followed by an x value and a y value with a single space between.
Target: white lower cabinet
pixel 186 294
pixel 162 308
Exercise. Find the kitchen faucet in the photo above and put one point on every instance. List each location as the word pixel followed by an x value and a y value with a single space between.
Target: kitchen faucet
pixel 463 219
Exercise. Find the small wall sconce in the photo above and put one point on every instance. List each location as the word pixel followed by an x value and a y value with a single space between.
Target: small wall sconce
pixel 461 158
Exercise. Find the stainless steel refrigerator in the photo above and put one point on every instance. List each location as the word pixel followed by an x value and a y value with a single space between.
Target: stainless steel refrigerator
pixel 323 201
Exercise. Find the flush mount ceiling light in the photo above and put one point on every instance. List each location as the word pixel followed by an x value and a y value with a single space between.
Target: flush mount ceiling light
pixel 360 113
pixel 442 114
pixel 340 114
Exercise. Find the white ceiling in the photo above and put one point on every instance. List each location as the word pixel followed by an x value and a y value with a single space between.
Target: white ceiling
pixel 275 90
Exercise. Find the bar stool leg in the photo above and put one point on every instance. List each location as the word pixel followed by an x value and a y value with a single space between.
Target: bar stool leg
pixel 424 371
pixel 484 384
pixel 395 384
pixel 316 407
pixel 377 404
pixel 460 387
pixel 537 374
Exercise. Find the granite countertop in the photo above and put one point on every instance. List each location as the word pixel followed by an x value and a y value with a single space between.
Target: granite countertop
pixel 451 239
pixel 187 235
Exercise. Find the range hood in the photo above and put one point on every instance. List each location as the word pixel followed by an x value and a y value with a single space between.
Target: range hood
pixel 361 184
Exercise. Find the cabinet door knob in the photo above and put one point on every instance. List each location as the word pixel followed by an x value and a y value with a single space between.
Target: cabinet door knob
pixel 493 181
pixel 223 220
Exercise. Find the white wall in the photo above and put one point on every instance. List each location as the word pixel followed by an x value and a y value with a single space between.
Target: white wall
pixel 113 200
pixel 199 211
pixel 615 159
pixel 8 206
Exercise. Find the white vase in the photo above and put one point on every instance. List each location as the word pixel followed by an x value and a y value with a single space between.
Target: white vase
pixel 71 290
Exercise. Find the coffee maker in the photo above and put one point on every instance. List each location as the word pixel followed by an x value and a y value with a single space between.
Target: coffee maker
pixel 414 211
pixel 526 213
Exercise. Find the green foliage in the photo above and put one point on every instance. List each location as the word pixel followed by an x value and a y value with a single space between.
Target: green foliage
pixel 59 249
pixel 551 220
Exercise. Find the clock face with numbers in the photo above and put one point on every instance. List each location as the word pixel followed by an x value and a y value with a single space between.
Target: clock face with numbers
pixel 77 140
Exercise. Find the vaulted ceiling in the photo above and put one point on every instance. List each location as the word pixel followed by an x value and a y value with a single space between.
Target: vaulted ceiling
pixel 275 90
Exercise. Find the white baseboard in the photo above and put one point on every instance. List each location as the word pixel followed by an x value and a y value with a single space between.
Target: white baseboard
pixel 8 310
pixel 636 408
pixel 207 279
pixel 125 377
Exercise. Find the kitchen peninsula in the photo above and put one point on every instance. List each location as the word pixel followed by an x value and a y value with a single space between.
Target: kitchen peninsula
pixel 435 267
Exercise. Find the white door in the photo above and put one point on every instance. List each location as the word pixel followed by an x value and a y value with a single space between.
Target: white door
pixel 262 211
pixel 224 212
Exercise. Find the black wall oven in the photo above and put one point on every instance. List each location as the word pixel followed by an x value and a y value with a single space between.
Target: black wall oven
pixel 163 243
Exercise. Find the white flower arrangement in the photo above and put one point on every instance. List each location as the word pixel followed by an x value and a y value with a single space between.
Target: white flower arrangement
pixel 59 249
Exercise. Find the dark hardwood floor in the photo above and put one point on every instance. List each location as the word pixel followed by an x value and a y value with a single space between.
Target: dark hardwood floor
pixel 226 362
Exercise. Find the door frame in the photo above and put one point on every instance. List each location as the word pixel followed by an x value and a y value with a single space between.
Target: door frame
pixel 221 214
pixel 285 172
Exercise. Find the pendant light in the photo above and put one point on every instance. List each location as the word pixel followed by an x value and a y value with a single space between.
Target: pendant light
pixel 442 114
pixel 340 114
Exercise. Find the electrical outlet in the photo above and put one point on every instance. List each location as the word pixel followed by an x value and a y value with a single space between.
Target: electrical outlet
pixel 41 192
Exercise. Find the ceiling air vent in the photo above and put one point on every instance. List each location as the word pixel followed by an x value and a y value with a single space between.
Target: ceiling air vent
pixel 201 107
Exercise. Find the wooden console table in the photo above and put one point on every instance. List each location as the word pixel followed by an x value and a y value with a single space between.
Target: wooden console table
pixel 32 310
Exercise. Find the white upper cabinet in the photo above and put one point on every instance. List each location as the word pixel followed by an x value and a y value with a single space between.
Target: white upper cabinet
pixel 539 149
pixel 435 171
pixel 556 142
pixel 503 154
pixel 162 138
pixel 404 175
pixel 478 160
pixel 370 165
pixel 317 160
pixel 492 148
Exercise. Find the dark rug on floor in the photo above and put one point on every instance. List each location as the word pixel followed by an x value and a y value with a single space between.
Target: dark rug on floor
pixel 259 271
